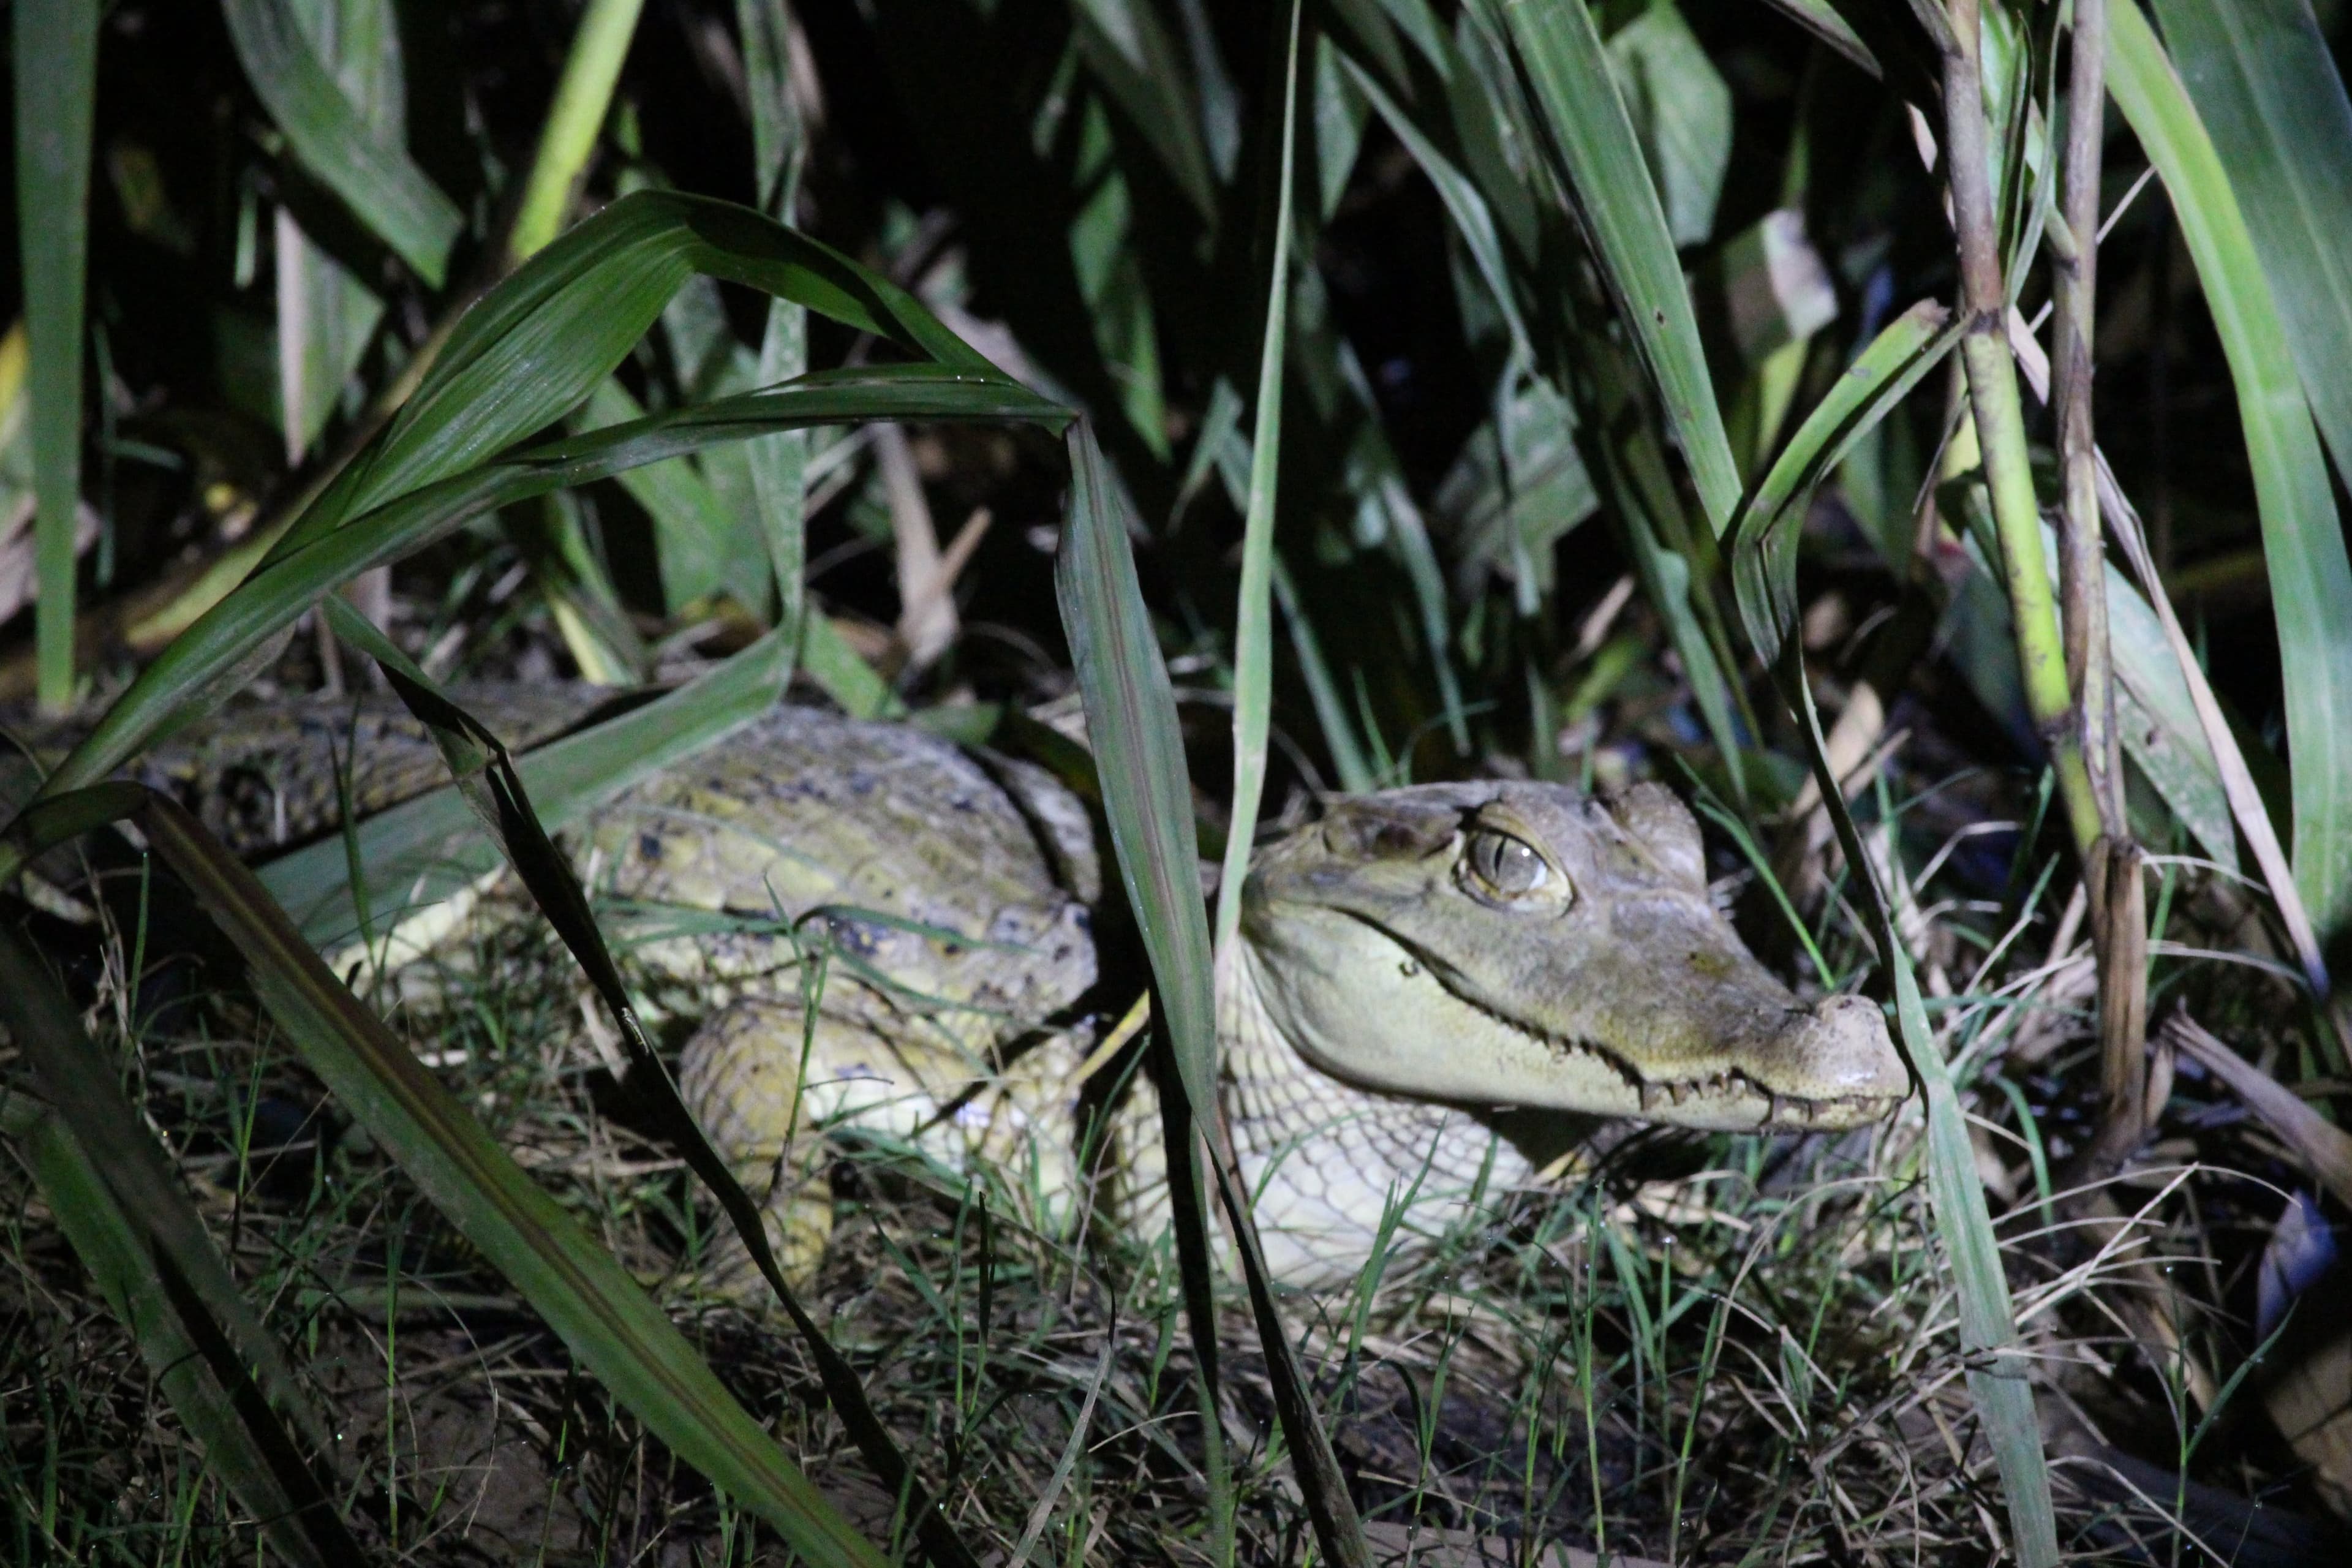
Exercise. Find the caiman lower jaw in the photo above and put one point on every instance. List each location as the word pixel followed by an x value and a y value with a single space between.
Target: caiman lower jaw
pixel 1733 1102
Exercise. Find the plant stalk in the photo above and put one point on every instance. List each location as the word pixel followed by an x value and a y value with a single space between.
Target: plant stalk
pixel 2000 417
pixel 55 46
pixel 2115 880
pixel 583 97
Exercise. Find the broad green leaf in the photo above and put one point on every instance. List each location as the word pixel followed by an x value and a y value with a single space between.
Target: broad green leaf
pixel 56 47
pixel 533 349
pixel 331 137
pixel 617 1332
pixel 2303 542
pixel 1131 724
pixel 1601 166
pixel 235 634
pixel 1764 540
pixel 1682 109
pixel 1518 489
pixel 1493 125
pixel 2267 86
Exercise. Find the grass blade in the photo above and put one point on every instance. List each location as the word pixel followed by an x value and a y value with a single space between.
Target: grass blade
pixel 1131 716
pixel 1472 219
pixel 1253 606
pixel 534 348
pixel 266 1476
pixel 56 44
pixel 778 464
pixel 1599 157
pixel 1763 549
pixel 582 96
pixel 384 189
pixel 1137 63
pixel 696 539
pixel 1356 775
pixel 2247 807
pixel 147 1249
pixel 2303 542
pixel 326 317
pixel 1764 541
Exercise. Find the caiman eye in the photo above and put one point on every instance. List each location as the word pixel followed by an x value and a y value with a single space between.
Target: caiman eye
pixel 1508 866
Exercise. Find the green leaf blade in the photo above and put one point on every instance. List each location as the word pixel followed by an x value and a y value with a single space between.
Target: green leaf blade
pixel 2303 542
pixel 382 187
pixel 1604 168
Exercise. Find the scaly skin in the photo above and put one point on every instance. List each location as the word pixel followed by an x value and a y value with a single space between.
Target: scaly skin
pixel 1438 986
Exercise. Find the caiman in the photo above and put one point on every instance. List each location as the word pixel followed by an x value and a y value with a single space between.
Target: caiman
pixel 1437 990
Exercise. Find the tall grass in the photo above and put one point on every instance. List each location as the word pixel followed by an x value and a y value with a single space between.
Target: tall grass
pixel 1634 340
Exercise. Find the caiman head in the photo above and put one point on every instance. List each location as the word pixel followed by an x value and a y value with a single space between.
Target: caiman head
pixel 1511 945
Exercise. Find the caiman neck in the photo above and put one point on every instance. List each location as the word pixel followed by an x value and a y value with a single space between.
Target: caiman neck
pixel 1327 1155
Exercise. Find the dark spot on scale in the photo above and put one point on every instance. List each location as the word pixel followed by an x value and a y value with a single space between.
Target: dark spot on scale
pixel 649 845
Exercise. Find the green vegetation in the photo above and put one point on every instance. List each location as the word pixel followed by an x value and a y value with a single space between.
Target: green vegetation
pixel 1219 404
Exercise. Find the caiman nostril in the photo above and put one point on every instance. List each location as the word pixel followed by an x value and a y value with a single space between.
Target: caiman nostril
pixel 1845 1048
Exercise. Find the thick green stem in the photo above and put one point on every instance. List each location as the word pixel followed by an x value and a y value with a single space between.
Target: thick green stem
pixel 2001 433
pixel 574 119
pixel 56 69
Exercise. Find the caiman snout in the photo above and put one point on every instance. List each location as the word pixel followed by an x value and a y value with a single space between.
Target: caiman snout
pixel 1834 1066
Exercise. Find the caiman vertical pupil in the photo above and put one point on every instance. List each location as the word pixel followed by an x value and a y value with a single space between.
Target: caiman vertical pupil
pixel 1509 865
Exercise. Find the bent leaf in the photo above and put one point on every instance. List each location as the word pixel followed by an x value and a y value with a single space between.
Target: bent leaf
pixel 382 188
